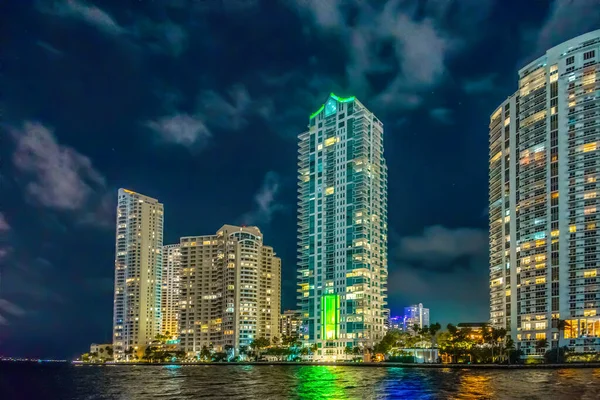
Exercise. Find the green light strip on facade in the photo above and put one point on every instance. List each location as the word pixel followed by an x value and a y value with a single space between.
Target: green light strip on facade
pixel 317 112
pixel 336 98
pixel 343 99
pixel 330 316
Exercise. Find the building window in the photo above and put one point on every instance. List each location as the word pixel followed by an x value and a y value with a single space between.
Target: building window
pixel 570 60
pixel 589 54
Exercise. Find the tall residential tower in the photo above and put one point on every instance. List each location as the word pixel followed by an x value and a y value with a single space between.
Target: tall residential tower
pixel 544 201
pixel 170 290
pixel 230 290
pixel 342 226
pixel 138 272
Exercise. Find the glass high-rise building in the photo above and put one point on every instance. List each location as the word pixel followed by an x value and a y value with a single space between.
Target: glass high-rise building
pixel 138 272
pixel 342 228
pixel 415 315
pixel 545 201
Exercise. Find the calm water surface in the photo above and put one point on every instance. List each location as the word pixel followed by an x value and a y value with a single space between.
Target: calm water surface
pixel 291 382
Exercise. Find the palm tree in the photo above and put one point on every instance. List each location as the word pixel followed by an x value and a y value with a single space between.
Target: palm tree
pixel 204 353
pixel 348 350
pixel 501 334
pixel 541 344
pixel 510 347
pixel 433 330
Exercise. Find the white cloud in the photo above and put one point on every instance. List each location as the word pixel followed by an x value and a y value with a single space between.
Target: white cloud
pixel 442 115
pixel 440 244
pixel 567 19
pixel 60 177
pixel 88 13
pixel 416 32
pixel 265 201
pixel 183 129
pixel 4 226
pixel 160 36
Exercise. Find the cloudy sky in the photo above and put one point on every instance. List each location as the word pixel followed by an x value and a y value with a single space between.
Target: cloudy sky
pixel 199 103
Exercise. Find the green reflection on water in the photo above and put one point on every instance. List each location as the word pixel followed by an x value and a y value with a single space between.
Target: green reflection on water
pixel 320 382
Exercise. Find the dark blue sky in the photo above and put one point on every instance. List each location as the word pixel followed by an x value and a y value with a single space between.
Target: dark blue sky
pixel 198 103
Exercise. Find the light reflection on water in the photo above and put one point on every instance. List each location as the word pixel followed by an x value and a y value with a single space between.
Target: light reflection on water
pixel 291 382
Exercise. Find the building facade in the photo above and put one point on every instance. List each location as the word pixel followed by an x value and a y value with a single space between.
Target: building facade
pixel 230 290
pixel 170 290
pixel 289 323
pixel 342 225
pixel 138 272
pixel 415 315
pixel 544 203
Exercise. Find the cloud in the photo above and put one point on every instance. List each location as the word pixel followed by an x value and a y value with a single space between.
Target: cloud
pixel 566 19
pixel 407 41
pixel 233 110
pixel 265 201
pixel 59 177
pixel 443 246
pixel 159 36
pixel 481 85
pixel 442 115
pixel 88 13
pixel 4 226
pixel 49 48
pixel 445 269
pixel 183 129
pixel 7 308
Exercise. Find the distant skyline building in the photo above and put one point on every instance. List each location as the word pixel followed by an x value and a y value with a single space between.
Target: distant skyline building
pixel 544 201
pixel 138 271
pixel 290 322
pixel 396 323
pixel 230 290
pixel 170 289
pixel 342 225
pixel 415 315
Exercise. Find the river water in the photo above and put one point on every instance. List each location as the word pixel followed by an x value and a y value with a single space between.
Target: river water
pixel 290 382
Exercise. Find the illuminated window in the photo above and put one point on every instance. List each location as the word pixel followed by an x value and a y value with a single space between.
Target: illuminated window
pixel 589 147
pixel 507 121
pixel 539 280
pixel 330 141
pixel 589 274
pixel 540 336
pixel 589 195
pixel 589 210
pixel 554 233
pixel 329 190
pixel 572 229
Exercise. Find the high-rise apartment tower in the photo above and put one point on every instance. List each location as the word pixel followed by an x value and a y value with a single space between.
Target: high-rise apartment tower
pixel 230 290
pixel 545 201
pixel 342 228
pixel 170 290
pixel 138 272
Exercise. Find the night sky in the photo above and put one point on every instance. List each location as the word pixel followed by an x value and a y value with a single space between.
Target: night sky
pixel 199 104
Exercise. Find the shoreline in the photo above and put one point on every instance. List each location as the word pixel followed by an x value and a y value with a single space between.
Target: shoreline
pixel 350 364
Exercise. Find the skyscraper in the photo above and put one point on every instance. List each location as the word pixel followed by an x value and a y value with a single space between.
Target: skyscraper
pixel 544 168
pixel 230 290
pixel 289 323
pixel 138 272
pixel 415 315
pixel 170 289
pixel 342 226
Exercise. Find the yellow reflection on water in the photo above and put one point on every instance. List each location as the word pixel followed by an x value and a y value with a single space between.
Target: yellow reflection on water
pixel 472 386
